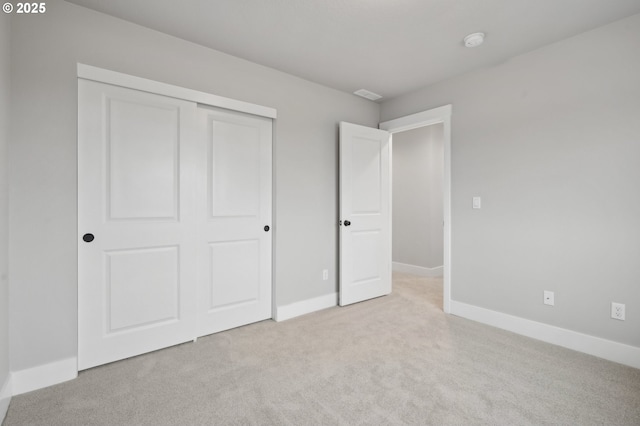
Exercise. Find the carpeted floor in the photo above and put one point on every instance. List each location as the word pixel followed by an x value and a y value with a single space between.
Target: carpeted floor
pixel 394 360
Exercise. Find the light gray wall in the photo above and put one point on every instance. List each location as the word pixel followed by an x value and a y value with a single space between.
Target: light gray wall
pixel 417 196
pixel 43 215
pixel 4 231
pixel 551 141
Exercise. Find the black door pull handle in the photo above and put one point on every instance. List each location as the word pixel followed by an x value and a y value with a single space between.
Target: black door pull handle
pixel 87 238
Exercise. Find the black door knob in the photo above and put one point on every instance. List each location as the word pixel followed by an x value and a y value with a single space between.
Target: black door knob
pixel 347 223
pixel 266 228
pixel 87 238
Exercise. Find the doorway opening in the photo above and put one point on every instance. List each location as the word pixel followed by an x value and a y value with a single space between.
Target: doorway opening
pixel 417 176
pixel 422 195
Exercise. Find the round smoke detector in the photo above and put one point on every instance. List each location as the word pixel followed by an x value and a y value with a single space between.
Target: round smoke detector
pixel 473 40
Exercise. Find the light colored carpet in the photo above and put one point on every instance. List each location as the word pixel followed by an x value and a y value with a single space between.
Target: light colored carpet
pixel 394 360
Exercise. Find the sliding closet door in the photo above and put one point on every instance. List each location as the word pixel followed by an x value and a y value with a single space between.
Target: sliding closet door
pixel 234 230
pixel 136 222
pixel 174 221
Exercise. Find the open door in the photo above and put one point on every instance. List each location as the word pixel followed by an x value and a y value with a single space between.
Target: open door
pixel 365 213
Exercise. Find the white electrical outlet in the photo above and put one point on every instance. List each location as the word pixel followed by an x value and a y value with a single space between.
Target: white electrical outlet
pixel 325 274
pixel 617 311
pixel 549 298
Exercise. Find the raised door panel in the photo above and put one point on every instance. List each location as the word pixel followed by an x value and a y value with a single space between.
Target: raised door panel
pixel 142 160
pixel 366 192
pixel 234 169
pixel 235 274
pixel 142 288
pixel 366 264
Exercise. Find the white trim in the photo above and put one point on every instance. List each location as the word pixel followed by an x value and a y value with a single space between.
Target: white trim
pixel 426 118
pixel 306 306
pixel 5 397
pixel 417 270
pixel 45 375
pixel 419 119
pixel 89 72
pixel 596 346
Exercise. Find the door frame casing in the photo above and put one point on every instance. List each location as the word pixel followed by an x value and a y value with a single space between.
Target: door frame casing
pixel 422 119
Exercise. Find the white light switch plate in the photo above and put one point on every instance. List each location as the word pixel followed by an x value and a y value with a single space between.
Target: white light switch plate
pixel 477 202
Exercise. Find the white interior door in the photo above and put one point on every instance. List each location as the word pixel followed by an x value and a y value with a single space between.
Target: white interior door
pixel 234 246
pixel 136 223
pixel 365 213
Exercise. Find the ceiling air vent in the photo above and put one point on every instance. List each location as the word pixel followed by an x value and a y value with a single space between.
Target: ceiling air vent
pixel 367 94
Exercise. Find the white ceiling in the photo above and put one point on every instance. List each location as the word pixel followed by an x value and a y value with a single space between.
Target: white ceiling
pixel 389 47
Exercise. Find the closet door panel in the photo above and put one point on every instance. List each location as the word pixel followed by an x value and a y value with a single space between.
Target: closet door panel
pixel 136 222
pixel 235 240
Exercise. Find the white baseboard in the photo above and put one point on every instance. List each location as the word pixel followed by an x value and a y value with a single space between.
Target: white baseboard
pixel 45 375
pixel 306 306
pixel 5 397
pixel 417 270
pixel 596 346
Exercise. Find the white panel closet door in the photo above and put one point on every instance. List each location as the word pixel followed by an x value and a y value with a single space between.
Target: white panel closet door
pixel 365 213
pixel 136 196
pixel 234 247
